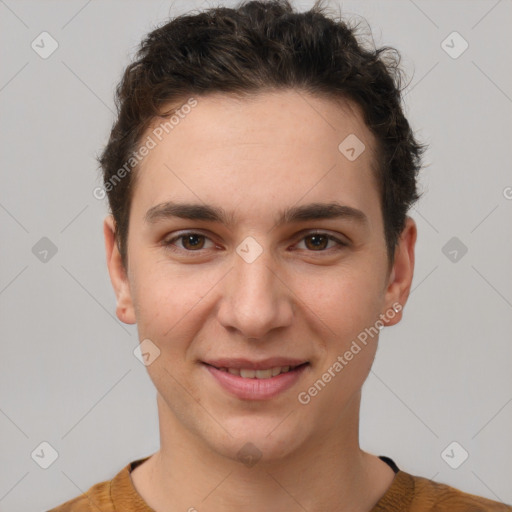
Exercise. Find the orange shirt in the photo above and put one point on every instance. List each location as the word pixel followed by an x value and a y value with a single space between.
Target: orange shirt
pixel 407 493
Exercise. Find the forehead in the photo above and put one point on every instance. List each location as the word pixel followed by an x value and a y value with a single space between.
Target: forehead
pixel 259 153
pixel 286 118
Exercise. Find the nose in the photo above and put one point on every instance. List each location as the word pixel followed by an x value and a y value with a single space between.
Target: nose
pixel 256 298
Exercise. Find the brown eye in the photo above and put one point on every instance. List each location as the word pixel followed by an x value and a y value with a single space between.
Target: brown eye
pixel 193 241
pixel 318 242
pixel 190 242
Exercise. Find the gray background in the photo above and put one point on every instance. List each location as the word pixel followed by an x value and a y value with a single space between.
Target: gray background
pixel 68 373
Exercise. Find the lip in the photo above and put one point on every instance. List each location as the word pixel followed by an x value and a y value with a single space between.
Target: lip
pixel 257 389
pixel 271 362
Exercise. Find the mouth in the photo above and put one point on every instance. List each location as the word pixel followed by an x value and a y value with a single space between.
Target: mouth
pixel 266 381
pixel 266 373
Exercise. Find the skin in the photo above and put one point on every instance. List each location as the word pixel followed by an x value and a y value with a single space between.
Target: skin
pixel 254 158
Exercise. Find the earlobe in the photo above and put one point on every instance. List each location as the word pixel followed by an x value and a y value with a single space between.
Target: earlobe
pixel 118 275
pixel 400 279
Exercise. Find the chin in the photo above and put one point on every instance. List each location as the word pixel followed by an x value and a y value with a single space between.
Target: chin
pixel 256 440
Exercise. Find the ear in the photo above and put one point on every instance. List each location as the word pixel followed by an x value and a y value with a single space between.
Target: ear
pixel 118 275
pixel 400 278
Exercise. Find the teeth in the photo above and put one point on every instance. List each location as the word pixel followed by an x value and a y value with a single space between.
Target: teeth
pixel 264 374
pixel 257 374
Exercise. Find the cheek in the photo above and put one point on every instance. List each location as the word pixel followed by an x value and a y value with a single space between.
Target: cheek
pixel 347 301
pixel 348 308
pixel 164 295
pixel 165 306
pixel 172 307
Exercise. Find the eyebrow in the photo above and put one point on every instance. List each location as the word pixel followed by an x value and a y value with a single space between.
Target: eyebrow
pixel 204 212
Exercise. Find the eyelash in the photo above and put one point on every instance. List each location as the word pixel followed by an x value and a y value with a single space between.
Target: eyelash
pixel 169 244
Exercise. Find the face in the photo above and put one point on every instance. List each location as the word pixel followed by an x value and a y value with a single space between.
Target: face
pixel 279 260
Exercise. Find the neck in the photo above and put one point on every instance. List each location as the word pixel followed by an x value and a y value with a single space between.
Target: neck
pixel 329 472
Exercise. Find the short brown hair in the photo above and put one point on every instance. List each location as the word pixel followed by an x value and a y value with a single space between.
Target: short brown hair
pixel 260 46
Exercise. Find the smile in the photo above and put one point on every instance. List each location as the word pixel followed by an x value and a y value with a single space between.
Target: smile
pixel 248 373
pixel 256 384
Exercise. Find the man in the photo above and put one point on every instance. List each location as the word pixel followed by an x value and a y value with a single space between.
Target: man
pixel 259 176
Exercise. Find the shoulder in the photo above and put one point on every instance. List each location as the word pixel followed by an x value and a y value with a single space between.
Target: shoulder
pixel 96 499
pixel 439 497
pixel 113 495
